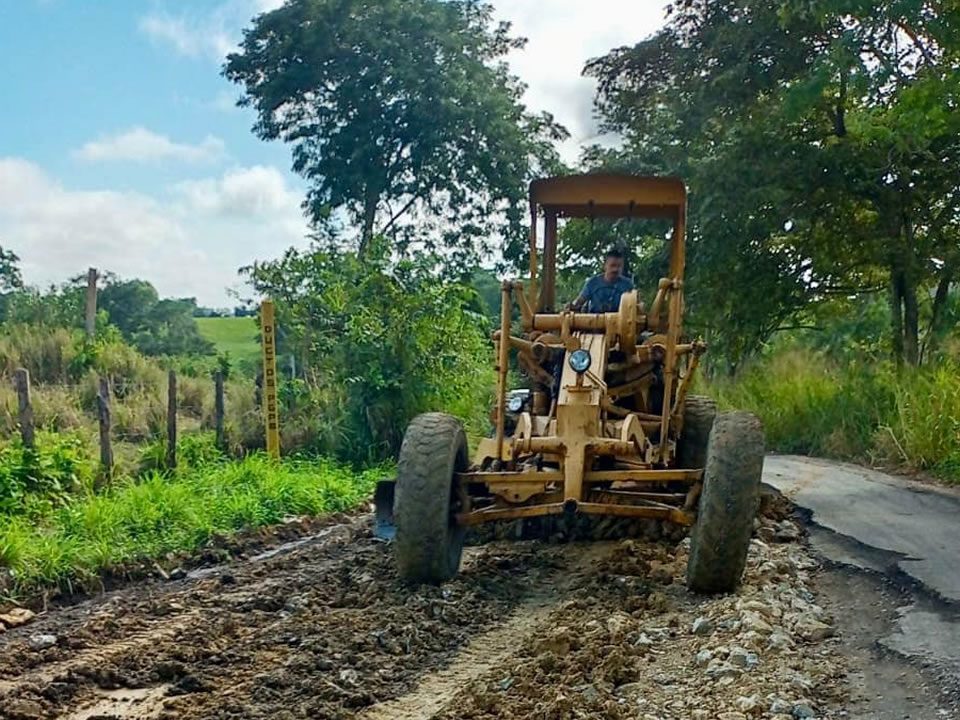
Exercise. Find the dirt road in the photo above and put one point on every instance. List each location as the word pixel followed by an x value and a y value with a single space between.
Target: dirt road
pixel 322 629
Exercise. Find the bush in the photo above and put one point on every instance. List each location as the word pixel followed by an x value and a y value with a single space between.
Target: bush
pixel 49 355
pixel 926 423
pixel 59 466
pixel 382 341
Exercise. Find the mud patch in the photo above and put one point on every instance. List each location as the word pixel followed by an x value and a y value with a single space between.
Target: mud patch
pixel 130 704
pixel 529 629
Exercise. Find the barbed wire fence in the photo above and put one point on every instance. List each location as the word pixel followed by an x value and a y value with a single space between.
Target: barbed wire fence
pixel 111 390
pixel 110 396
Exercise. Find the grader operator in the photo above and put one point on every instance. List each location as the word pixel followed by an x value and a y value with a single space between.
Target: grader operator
pixel 608 427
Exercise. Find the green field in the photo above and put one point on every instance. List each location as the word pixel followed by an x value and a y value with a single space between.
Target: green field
pixel 234 335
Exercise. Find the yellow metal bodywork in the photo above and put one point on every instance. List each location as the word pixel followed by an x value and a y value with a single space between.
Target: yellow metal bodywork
pixel 603 446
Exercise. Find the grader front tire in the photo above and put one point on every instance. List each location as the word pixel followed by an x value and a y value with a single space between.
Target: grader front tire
pixel 728 504
pixel 429 543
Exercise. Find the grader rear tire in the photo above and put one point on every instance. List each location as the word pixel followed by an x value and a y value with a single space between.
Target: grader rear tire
pixel 699 412
pixel 429 542
pixel 728 504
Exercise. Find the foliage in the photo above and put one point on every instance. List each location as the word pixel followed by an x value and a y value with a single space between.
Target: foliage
pixel 816 140
pixel 134 522
pixel 55 307
pixel 49 473
pixel 155 326
pixel 380 342
pixel 400 112
pixel 858 411
pixel 10 277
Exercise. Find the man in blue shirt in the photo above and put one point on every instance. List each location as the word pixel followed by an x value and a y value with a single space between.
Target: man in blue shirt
pixel 601 293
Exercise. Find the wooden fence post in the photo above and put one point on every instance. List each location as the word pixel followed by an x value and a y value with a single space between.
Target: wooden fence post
pixel 103 415
pixel 90 315
pixel 218 409
pixel 171 421
pixel 21 379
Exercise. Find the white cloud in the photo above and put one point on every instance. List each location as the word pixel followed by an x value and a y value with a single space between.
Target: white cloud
pixel 193 38
pixel 184 247
pixel 213 34
pixel 243 192
pixel 141 145
pixel 563 35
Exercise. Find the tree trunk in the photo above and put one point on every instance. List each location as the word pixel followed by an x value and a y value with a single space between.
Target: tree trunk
pixel 911 323
pixel 896 312
pixel 939 305
pixel 369 217
pixel 911 313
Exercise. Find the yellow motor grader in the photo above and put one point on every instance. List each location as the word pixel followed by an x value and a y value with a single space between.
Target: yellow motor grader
pixel 607 428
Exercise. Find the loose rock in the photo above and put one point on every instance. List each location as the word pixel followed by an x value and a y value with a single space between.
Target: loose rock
pixel 813 630
pixel 702 626
pixel 17 617
pixel 41 641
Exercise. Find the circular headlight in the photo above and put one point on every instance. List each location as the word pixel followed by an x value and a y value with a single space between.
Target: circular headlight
pixel 580 361
pixel 515 403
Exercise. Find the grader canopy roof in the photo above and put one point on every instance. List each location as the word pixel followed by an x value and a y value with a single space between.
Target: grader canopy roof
pixel 607 195
pixel 599 196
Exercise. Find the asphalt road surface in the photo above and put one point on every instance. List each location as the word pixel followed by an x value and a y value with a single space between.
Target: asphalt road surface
pixel 894 544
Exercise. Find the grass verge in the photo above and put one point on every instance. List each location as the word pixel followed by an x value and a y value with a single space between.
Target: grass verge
pixel 71 545
pixel 908 418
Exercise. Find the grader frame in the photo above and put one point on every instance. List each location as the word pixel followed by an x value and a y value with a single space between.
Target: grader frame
pixel 610 429
pixel 546 466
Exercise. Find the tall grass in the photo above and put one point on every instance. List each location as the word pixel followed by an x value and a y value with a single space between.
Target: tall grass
pixel 909 418
pixel 137 521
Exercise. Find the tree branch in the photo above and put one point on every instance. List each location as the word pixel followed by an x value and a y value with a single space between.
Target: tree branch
pixel 399 214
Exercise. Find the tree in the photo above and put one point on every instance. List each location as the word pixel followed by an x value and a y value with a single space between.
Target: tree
pixel 401 113
pixel 377 343
pixel 171 329
pixel 10 277
pixel 818 141
pixel 128 303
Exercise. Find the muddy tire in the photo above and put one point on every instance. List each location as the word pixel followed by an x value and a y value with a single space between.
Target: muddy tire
pixel 728 504
pixel 699 412
pixel 429 543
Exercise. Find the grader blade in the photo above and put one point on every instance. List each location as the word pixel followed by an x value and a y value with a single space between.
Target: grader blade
pixel 383 510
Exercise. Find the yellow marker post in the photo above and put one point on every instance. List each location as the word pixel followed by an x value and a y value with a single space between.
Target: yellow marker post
pixel 271 415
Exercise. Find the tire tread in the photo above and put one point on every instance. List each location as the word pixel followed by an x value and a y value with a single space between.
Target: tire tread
pixel 728 504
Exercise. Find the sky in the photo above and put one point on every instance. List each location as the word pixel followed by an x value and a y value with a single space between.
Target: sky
pixel 121 147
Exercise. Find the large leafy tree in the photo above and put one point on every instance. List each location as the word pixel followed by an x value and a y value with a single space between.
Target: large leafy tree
pixel 818 139
pixel 10 279
pixel 401 113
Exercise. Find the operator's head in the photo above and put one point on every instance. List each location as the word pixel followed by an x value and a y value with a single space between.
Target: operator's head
pixel 613 264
